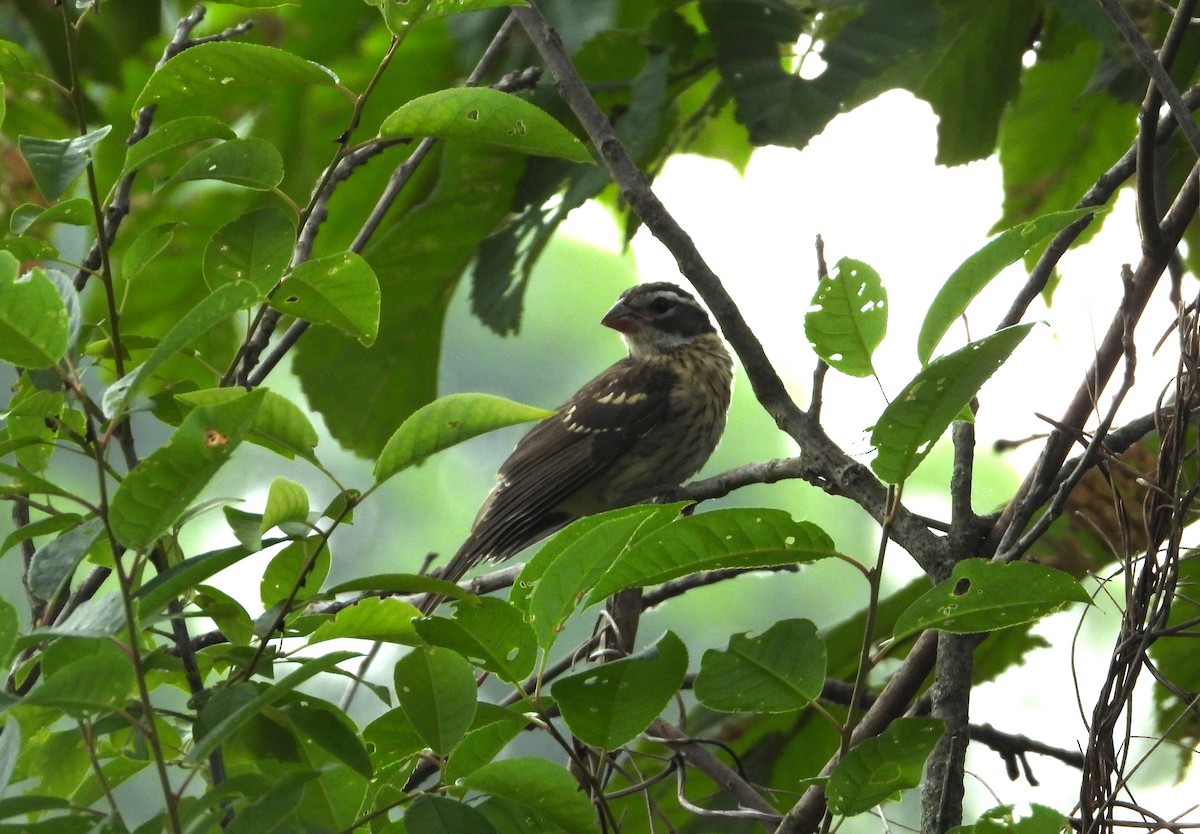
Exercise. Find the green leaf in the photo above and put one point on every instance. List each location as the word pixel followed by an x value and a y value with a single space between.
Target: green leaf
pixel 986 596
pixel 446 422
pixel 153 596
pixel 490 633
pixel 919 414
pixel 436 689
pixel 255 247
pixel 494 727
pixel 333 731
pixel 977 271
pixel 400 583
pixel 297 570
pixel 253 707
pixel 1003 820
pixel 741 537
pixel 273 808
pixel 541 787
pixel 210 72
pixel 8 630
pixel 781 670
pixel 54 563
pixel 881 767
pixel 251 163
pixel 382 620
pixel 340 290
pixel 40 527
pixel 211 311
pixel 10 731
pixel 570 564
pixel 610 704
pixel 94 683
pixel 55 163
pixel 485 115
pixel 146 248
pixel 76 212
pixel 34 326
pixel 227 614
pixel 399 15
pixel 28 248
pixel 779 106
pixel 280 425
pixel 431 814
pixel 160 488
pixel 848 317
pixel 172 136
pixel 287 501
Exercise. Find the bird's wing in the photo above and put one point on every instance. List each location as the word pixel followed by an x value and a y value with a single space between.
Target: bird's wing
pixel 566 452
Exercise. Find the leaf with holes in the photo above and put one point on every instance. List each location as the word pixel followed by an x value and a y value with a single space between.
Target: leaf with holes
pixel 937 395
pixel 436 690
pixel 986 596
pixel 340 290
pixel 485 115
pixel 255 247
pixel 848 317
pixel 490 633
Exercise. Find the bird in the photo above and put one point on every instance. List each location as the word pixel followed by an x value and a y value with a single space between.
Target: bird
pixel 641 427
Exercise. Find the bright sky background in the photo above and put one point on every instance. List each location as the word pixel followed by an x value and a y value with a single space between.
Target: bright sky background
pixel 870 187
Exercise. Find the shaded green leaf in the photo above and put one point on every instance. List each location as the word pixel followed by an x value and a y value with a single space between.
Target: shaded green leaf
pixel 159 489
pixel 96 682
pixel 153 596
pixel 879 768
pixel 400 583
pixel 436 690
pixel 848 317
pixel 172 136
pixel 384 620
pixel 919 414
pixel 399 15
pixel 540 786
pixel 340 290
pixel 446 422
pixel 211 311
pixel 432 814
pixel 729 538
pixel 254 247
pixel 490 633
pixel 251 163
pixel 1003 820
pixel 333 731
pixel 55 163
pixel 295 572
pixel 485 115
pixel 494 727
pixel 252 707
pixel 781 670
pixel 277 805
pixel 977 271
pixel 40 527
pixel 612 703
pixel 34 325
pixel 8 630
pixel 77 212
pixel 146 248
pixel 54 563
pixel 986 596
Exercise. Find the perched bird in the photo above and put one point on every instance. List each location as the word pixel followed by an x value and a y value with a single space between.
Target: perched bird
pixel 643 426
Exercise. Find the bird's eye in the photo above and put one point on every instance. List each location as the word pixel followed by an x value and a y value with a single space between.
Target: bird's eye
pixel 660 305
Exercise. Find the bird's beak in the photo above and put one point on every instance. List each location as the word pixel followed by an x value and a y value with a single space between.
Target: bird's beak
pixel 623 318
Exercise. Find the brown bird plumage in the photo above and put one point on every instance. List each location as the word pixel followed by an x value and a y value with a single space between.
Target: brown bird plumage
pixel 643 426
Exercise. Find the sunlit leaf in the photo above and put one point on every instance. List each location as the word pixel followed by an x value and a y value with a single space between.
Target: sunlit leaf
pixel 485 115
pixel 382 620
pixel 446 422
pixel 986 596
pixel 340 290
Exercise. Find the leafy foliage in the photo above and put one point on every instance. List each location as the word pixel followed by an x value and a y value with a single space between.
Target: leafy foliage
pixel 193 204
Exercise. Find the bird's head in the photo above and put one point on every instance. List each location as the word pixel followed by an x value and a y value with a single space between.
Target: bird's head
pixel 652 318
